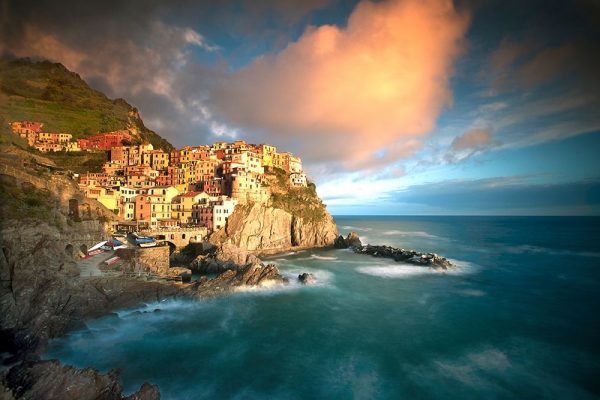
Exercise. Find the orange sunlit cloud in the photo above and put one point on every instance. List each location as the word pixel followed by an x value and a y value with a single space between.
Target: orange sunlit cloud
pixel 370 86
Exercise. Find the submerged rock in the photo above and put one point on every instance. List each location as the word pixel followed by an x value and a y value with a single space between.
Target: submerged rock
pixel 307 278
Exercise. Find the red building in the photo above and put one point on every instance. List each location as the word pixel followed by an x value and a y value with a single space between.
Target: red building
pixel 213 187
pixel 174 157
pixel 104 141
pixel 167 177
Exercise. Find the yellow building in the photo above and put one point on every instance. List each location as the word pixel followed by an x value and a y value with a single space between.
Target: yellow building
pixel 156 159
pixel 186 176
pixel 169 192
pixel 267 152
pixel 251 161
pixel 247 187
pixel 107 197
pixel 182 205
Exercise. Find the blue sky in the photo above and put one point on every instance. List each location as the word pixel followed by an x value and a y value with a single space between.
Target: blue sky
pixel 396 106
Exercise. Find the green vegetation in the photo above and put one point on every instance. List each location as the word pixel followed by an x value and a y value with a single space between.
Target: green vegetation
pixel 31 203
pixel 50 93
pixel 301 202
pixel 79 162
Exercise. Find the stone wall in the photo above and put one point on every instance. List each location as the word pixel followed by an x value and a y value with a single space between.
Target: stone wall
pixel 150 259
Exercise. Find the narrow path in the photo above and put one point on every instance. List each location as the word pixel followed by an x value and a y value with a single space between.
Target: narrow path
pixel 91 266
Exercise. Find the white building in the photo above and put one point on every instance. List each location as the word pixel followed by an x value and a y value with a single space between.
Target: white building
pixel 221 211
pixel 298 179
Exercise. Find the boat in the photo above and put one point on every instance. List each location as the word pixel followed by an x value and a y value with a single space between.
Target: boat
pixel 114 244
pixel 142 241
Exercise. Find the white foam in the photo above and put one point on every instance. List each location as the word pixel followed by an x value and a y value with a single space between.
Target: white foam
pixel 410 233
pixel 324 278
pixel 398 270
pixel 317 257
pixel 269 287
pixel 355 228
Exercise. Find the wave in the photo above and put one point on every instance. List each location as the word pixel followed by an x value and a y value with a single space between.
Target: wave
pixel 527 248
pixel 398 270
pixel 356 228
pixel 472 292
pixel 328 258
pixel 324 278
pixel 410 233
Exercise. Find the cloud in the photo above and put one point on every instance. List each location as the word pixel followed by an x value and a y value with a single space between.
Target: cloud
pixel 148 53
pixel 530 63
pixel 474 141
pixel 363 89
pixel 502 196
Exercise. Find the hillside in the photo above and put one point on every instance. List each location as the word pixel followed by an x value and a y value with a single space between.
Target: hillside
pixel 50 93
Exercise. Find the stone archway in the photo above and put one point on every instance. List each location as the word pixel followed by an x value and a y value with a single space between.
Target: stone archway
pixel 84 249
pixel 172 247
pixel 69 250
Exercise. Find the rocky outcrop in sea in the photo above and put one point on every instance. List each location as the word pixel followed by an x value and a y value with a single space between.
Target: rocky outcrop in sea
pixel 252 275
pixel 397 254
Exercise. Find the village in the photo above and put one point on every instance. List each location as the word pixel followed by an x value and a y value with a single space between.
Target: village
pixel 180 195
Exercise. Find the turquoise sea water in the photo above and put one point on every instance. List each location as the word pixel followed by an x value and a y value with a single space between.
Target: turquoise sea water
pixel 518 318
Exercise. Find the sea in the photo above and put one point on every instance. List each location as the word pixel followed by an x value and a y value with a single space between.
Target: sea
pixel 517 318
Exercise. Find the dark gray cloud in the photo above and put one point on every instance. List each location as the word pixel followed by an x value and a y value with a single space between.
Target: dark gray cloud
pixel 159 56
pixel 507 195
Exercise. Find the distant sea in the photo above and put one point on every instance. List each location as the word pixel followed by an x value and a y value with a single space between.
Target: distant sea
pixel 519 318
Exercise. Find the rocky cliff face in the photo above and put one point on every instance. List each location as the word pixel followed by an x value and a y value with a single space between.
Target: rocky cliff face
pixel 262 229
pixel 51 380
pixel 42 294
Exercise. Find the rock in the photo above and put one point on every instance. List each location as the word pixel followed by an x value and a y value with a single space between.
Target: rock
pixel 250 275
pixel 146 392
pixel 307 278
pixel 340 243
pixel 261 229
pixel 353 241
pixel 409 256
pixel 42 294
pixel 51 380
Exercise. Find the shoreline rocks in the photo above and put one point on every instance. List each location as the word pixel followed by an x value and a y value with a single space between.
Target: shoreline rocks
pixel 251 275
pixel 49 379
pixel 408 256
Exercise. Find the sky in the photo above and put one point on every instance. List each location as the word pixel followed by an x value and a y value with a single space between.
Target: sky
pixel 395 106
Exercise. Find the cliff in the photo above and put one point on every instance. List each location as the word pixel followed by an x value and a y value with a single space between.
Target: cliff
pixel 263 229
pixel 293 218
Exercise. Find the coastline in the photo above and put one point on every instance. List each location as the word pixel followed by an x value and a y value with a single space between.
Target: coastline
pixel 29 372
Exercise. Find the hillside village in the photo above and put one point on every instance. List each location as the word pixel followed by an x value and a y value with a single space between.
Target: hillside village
pixel 152 189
